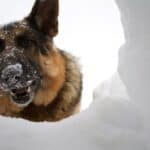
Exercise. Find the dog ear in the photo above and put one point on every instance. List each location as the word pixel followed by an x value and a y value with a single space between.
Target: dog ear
pixel 44 16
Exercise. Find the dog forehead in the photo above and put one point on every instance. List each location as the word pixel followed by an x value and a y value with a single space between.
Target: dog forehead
pixel 10 31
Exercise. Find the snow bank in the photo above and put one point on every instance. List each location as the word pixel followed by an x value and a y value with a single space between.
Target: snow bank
pixel 112 122
pixel 118 119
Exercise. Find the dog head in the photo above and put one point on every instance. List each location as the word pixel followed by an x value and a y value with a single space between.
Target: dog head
pixel 22 44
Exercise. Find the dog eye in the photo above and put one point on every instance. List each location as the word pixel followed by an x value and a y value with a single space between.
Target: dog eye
pixel 24 42
pixel 2 45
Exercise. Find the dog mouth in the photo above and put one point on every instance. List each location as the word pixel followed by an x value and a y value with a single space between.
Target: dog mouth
pixel 22 96
pixel 19 78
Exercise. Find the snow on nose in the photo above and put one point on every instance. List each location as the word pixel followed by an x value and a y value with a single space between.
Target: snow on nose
pixel 12 73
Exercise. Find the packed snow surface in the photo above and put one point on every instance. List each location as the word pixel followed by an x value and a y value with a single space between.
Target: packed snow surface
pixel 118 118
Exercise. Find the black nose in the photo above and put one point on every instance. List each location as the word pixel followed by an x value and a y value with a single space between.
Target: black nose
pixel 12 73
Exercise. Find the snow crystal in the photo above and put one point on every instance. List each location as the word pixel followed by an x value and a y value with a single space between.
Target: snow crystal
pixel 10 73
pixel 11 68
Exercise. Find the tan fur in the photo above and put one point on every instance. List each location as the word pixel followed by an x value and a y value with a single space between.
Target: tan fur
pixel 53 76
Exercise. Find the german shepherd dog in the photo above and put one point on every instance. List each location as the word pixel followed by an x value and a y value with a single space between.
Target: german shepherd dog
pixel 38 81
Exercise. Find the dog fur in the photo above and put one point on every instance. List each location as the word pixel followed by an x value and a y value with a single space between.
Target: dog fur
pixel 61 81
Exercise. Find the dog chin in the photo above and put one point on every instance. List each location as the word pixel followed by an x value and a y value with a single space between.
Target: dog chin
pixel 22 101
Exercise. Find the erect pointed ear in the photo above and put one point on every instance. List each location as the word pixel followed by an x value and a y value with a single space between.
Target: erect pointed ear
pixel 44 16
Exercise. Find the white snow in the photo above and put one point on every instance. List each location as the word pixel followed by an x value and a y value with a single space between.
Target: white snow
pixel 111 123
pixel 118 118
pixel 17 67
pixel 8 73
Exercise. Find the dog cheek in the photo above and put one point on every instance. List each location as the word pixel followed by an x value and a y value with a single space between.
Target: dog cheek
pixel 51 70
pixel 49 66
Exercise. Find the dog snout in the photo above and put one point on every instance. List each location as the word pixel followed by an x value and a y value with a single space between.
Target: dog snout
pixel 17 71
pixel 12 73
